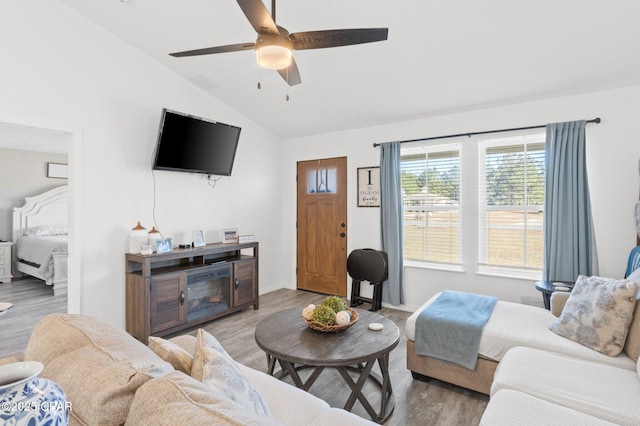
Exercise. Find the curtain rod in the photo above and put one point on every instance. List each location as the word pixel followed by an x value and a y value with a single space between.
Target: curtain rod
pixel 541 126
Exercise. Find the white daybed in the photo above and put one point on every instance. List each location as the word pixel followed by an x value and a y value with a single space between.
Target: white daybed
pixel 40 238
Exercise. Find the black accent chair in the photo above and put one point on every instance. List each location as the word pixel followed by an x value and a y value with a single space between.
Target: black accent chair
pixel 367 265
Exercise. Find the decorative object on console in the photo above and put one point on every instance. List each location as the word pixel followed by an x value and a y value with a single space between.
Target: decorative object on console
pixel 229 235
pixel 28 399
pixel 246 238
pixel 137 238
pixel 198 238
pixel 163 245
pixel 154 235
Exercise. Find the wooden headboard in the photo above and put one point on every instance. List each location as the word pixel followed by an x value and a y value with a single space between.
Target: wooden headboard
pixel 48 208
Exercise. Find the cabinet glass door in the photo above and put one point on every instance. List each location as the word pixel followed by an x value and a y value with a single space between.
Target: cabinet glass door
pixel 208 292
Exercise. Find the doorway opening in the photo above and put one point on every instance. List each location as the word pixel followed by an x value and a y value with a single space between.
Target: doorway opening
pixel 38 157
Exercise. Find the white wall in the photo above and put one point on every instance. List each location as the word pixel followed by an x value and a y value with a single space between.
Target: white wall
pixel 23 174
pixel 613 151
pixel 61 71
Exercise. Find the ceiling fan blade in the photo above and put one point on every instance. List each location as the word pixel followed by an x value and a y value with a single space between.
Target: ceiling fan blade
pixel 258 16
pixel 218 49
pixel 335 38
pixel 291 74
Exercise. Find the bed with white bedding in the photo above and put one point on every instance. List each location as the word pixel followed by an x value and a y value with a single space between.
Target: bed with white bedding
pixel 40 237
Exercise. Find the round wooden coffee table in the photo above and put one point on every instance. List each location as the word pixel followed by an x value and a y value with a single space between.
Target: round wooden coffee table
pixel 287 339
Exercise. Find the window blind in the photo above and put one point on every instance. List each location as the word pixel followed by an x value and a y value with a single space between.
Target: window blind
pixel 431 200
pixel 511 198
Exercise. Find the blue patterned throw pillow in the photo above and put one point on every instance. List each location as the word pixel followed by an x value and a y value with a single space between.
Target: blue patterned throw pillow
pixel 598 314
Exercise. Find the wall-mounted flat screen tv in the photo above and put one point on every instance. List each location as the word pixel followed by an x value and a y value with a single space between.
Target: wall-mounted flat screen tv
pixel 192 144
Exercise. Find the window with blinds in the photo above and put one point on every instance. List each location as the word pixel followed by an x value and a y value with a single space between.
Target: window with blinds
pixel 431 200
pixel 511 189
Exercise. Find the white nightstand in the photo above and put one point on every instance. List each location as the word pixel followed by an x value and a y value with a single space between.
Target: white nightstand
pixel 5 262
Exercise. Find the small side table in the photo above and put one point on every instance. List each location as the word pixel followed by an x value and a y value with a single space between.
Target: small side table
pixel 548 287
pixel 5 261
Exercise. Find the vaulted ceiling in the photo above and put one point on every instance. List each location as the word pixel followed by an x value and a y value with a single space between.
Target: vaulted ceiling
pixel 440 57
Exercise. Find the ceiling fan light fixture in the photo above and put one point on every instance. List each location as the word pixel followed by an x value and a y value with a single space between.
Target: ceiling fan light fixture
pixel 273 57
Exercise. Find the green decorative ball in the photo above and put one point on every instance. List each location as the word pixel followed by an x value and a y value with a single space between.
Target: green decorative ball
pixel 335 303
pixel 324 315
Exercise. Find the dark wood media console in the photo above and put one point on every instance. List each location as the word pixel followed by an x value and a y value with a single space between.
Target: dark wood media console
pixel 169 292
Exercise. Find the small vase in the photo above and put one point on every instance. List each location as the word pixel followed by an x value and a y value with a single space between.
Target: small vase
pixel 137 238
pixel 154 235
pixel 26 399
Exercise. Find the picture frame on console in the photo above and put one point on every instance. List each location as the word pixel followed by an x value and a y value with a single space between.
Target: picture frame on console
pixel 198 238
pixel 229 235
pixel 163 245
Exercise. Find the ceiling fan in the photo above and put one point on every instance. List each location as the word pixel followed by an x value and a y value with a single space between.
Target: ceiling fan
pixel 274 44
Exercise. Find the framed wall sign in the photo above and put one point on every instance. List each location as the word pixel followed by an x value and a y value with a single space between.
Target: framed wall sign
pixel 368 186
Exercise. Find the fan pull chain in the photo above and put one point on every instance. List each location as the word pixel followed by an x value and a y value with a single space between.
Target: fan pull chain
pixel 259 76
pixel 286 97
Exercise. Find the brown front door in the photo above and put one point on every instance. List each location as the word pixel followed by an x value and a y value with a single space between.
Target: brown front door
pixel 322 226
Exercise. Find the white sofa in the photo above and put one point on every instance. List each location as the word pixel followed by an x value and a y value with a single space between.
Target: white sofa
pixel 532 386
pixel 111 378
pixel 512 325
pixel 537 386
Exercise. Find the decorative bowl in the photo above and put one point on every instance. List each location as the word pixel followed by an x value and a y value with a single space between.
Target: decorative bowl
pixel 318 326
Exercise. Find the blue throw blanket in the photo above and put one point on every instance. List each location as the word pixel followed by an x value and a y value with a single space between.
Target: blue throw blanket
pixel 450 328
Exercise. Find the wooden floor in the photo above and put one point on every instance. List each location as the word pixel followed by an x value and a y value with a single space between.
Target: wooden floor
pixel 32 300
pixel 417 402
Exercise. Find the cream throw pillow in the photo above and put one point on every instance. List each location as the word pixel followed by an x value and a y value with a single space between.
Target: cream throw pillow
pixel 212 365
pixel 99 367
pixel 177 399
pixel 598 314
pixel 180 359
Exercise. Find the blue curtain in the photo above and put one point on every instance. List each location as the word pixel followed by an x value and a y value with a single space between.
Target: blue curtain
pixel 569 240
pixel 391 220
